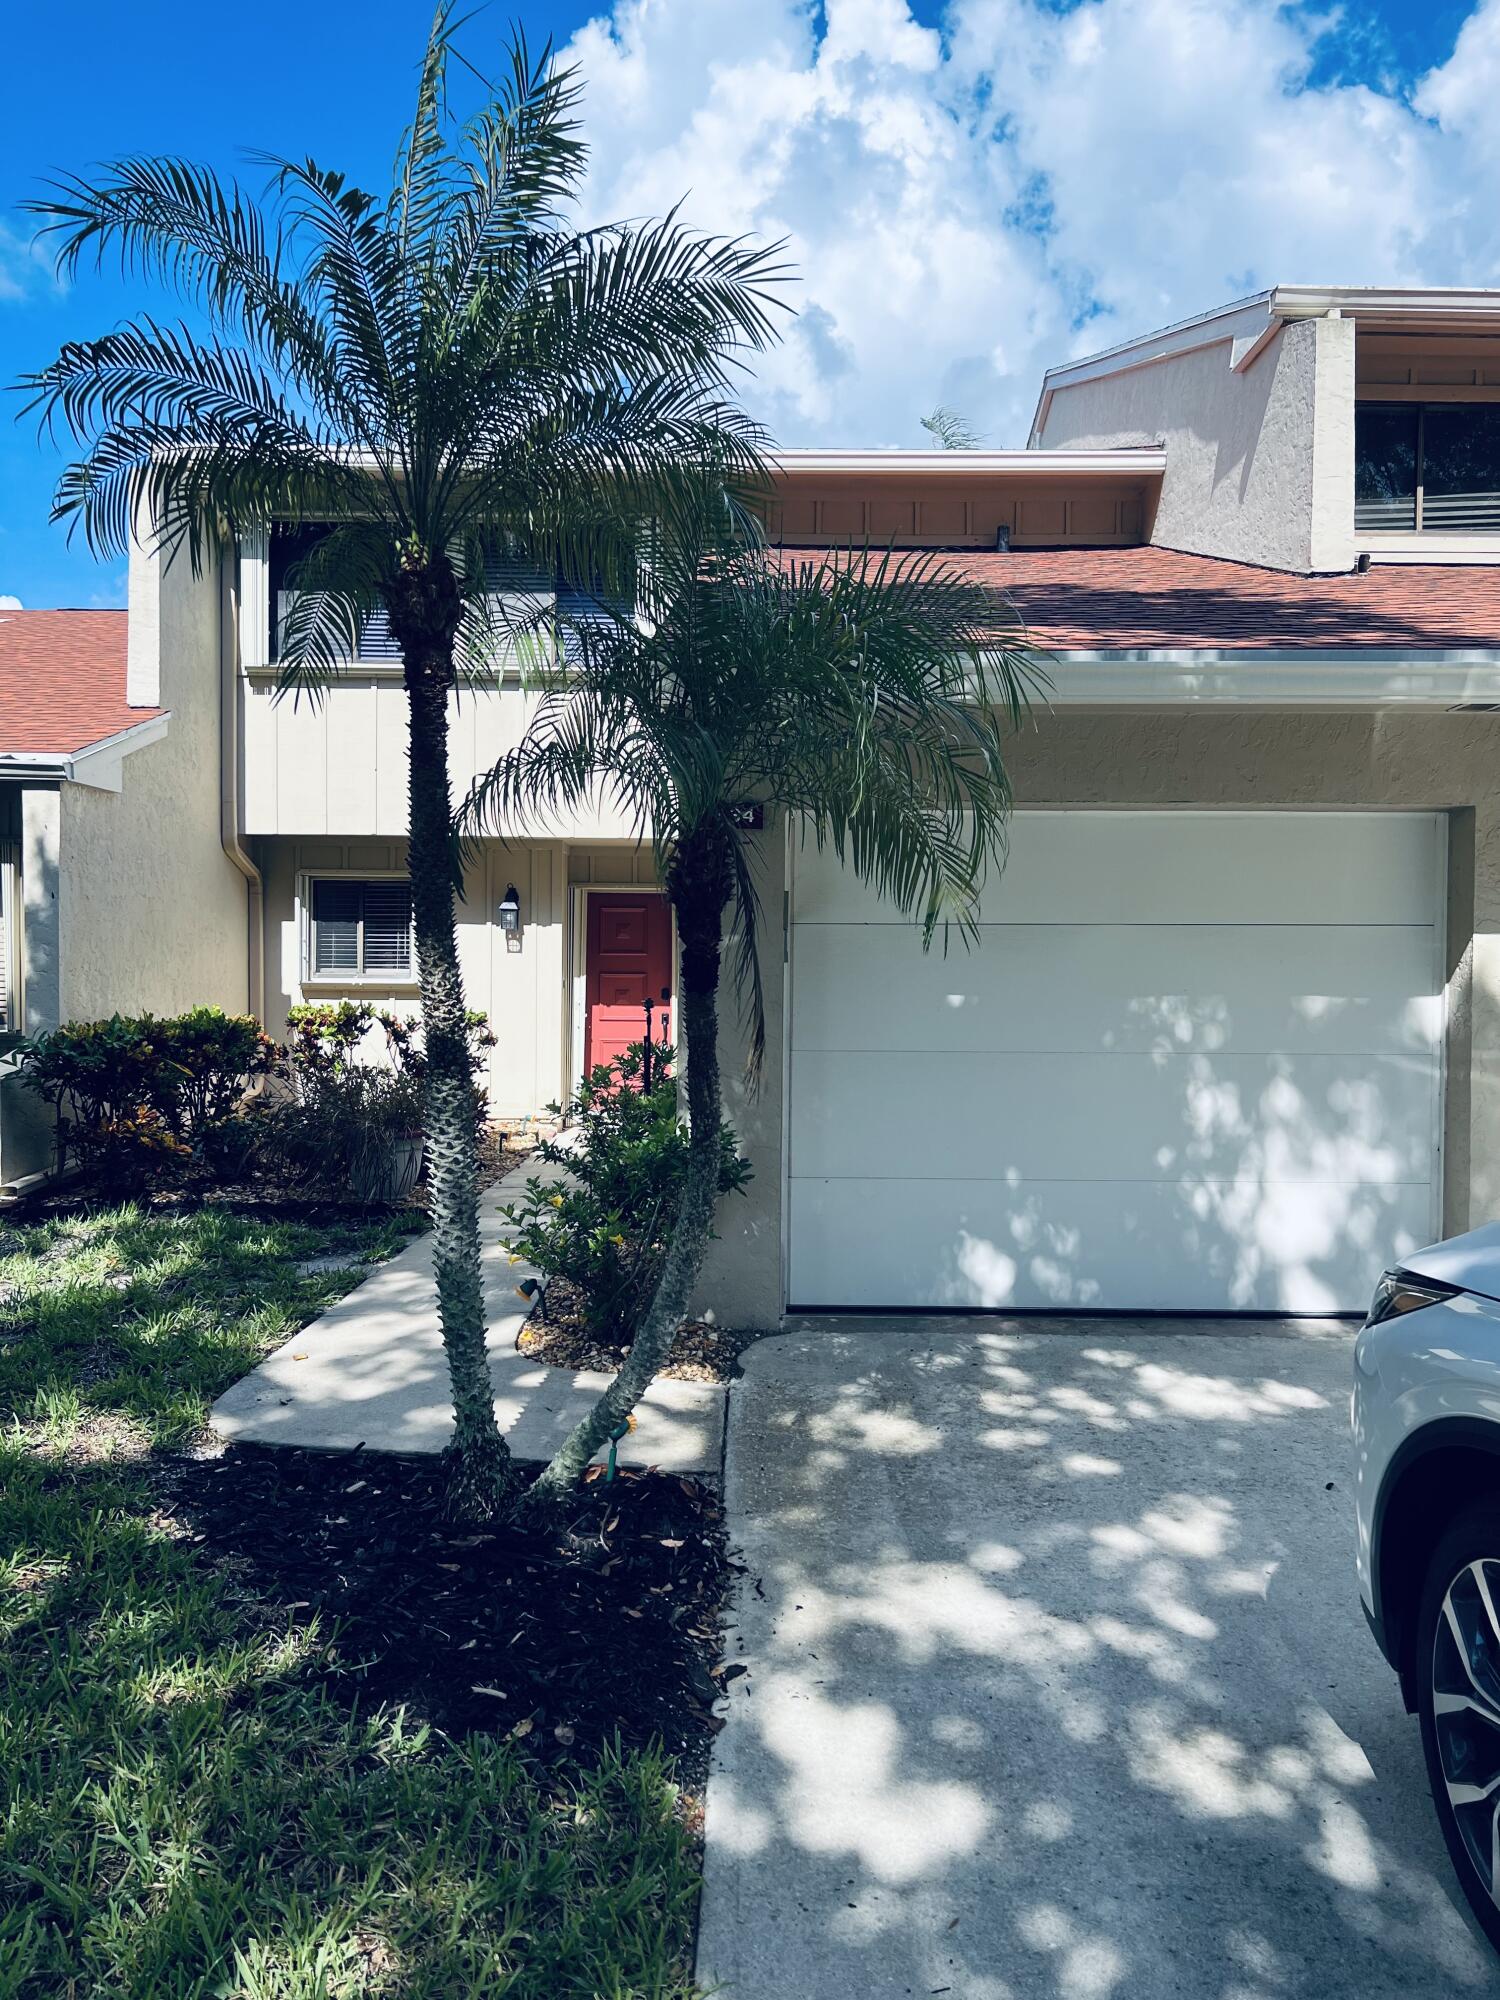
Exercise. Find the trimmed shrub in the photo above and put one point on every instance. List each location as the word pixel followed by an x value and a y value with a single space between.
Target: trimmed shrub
pixel 137 1097
pixel 606 1228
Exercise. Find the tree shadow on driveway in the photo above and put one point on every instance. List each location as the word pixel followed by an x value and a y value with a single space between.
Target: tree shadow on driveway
pixel 1058 1679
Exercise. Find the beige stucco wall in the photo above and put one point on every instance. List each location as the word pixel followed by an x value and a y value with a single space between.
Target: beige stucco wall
pixel 1426 761
pixel 1260 464
pixel 152 916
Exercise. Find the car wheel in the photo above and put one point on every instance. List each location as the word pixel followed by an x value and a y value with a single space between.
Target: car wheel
pixel 1458 1700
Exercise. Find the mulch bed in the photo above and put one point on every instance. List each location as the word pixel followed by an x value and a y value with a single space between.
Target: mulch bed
pixel 700 1353
pixel 607 1626
pixel 265 1196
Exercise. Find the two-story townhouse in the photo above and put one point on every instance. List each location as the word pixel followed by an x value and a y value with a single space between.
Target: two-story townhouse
pixel 1231 1038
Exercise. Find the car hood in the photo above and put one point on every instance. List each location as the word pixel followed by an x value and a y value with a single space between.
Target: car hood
pixel 1471 1261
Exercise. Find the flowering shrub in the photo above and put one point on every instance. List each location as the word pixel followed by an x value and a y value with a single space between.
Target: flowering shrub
pixel 606 1227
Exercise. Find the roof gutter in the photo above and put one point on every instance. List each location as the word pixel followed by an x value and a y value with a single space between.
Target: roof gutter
pixel 1473 307
pixel 229 785
pixel 96 765
pixel 1143 459
pixel 1365 677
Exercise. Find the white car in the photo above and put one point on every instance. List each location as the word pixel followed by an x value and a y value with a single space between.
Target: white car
pixel 1427 1482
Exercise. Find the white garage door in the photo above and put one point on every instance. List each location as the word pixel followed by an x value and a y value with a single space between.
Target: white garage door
pixel 1193 1064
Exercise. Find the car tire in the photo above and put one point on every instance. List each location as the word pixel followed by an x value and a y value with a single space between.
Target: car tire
pixel 1458 1701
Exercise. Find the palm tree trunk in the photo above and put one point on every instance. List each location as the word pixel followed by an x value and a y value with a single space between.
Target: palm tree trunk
pixel 700 916
pixel 481 1472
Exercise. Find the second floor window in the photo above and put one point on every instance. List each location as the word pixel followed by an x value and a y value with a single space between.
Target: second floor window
pixel 1427 467
pixel 288 546
pixel 518 592
pixel 360 929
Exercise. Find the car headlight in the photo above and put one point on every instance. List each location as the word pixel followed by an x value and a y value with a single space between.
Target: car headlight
pixel 1399 1293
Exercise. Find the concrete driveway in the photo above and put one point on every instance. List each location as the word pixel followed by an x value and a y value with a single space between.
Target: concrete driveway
pixel 1058 1680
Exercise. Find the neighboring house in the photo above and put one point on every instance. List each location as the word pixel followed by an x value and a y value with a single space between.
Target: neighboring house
pixel 115 894
pixel 1231 1040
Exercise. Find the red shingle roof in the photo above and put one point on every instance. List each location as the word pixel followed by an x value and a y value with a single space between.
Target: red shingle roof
pixel 1108 600
pixel 62 681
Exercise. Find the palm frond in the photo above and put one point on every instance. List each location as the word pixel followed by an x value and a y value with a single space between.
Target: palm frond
pixel 334 588
pixel 422 159
pixel 865 694
pixel 525 160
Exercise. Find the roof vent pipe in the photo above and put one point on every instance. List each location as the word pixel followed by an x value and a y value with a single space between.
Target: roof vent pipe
pixel 1362 562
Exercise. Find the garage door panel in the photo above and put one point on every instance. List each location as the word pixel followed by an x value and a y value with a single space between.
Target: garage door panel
pixel 1104 987
pixel 1129 1117
pixel 1192 1064
pixel 1189 868
pixel 1185 1246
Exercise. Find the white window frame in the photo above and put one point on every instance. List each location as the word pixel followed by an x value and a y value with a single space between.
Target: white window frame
pixel 337 982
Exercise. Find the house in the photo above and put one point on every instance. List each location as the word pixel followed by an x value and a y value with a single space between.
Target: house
pixel 116 894
pixel 1231 1038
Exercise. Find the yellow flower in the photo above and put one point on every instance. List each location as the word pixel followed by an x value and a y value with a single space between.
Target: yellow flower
pixel 620 1240
pixel 557 1201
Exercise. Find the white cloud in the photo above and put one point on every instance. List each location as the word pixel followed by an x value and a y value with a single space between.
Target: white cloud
pixel 10 604
pixel 25 267
pixel 965 207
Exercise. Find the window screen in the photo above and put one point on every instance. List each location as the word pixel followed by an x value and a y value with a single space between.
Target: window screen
pixel 361 929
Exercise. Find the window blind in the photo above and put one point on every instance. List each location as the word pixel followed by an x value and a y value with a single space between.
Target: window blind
pixel 361 928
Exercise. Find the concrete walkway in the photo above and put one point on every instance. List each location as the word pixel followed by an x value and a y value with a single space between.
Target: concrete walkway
pixel 1058 1680
pixel 371 1372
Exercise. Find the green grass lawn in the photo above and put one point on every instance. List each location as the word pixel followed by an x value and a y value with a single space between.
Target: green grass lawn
pixel 186 1807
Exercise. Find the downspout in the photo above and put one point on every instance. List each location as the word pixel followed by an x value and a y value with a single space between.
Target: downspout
pixel 229 780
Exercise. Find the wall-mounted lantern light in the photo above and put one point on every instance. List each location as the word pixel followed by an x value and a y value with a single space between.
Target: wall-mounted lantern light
pixel 510 910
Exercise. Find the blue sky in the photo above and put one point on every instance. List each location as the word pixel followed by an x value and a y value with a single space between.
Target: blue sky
pixel 942 195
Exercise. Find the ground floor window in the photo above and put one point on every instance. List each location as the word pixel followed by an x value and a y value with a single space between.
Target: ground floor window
pixel 360 928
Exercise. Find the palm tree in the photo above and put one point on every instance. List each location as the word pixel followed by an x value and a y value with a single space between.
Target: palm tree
pixel 443 376
pixel 952 431
pixel 865 696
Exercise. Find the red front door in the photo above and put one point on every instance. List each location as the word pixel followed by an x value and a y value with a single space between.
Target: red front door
pixel 628 959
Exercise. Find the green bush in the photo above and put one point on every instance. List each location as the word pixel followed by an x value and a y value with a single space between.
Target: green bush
pixel 351 1131
pixel 137 1097
pixel 403 1037
pixel 346 1127
pixel 323 1035
pixel 605 1229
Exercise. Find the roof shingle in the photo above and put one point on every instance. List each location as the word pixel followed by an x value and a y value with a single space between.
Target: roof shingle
pixel 1150 599
pixel 62 681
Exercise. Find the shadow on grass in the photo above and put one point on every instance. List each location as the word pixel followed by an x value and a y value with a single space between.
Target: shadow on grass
pixel 189 1806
